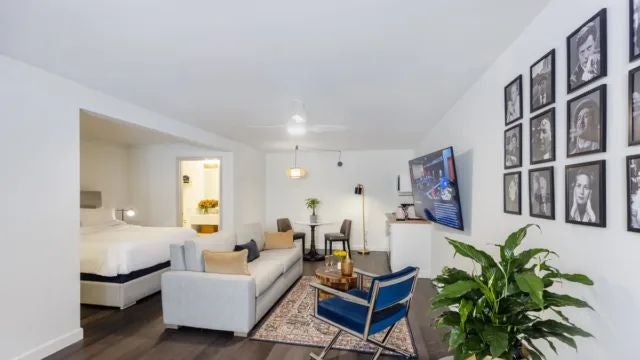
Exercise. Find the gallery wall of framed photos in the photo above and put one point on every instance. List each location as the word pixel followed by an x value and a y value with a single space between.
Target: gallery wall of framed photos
pixel 476 125
pixel 586 128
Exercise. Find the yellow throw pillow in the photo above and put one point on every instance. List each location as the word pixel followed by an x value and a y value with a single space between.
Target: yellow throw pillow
pixel 232 262
pixel 278 240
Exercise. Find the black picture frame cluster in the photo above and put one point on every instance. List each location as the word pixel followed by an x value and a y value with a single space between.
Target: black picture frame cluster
pixel 585 183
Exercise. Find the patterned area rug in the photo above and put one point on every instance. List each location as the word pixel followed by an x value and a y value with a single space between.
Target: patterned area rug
pixel 292 322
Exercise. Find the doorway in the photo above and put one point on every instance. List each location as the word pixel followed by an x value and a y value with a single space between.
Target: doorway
pixel 199 192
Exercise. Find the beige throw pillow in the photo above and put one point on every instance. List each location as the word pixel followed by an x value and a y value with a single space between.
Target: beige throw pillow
pixel 278 240
pixel 233 262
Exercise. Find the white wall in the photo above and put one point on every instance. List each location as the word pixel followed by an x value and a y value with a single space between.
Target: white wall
pixel 105 167
pixel 39 150
pixel 334 186
pixel 154 183
pixel 475 125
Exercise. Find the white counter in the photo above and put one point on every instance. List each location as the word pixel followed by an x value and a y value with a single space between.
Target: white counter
pixel 410 245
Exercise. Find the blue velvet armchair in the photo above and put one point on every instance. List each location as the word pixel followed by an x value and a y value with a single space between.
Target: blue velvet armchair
pixel 364 313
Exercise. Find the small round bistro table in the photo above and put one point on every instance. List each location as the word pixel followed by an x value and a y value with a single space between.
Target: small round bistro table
pixel 313 254
pixel 335 280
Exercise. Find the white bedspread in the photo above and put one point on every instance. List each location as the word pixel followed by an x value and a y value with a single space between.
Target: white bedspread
pixel 119 248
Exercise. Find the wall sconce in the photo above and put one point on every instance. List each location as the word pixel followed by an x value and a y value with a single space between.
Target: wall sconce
pixel 186 179
pixel 295 172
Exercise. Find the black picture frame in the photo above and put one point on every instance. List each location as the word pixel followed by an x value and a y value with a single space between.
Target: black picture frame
pixel 631 129
pixel 517 81
pixel 534 131
pixel 602 114
pixel 550 187
pixel 601 199
pixel 505 177
pixel 552 82
pixel 602 39
pixel 518 153
pixel 631 188
pixel 633 33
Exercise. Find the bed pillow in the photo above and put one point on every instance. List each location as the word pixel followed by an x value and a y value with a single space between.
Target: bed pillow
pixel 97 217
pixel 278 240
pixel 252 247
pixel 234 262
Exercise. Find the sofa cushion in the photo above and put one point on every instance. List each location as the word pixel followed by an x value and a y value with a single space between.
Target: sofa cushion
pixel 251 247
pixel 248 232
pixel 265 272
pixel 217 242
pixel 234 262
pixel 286 257
pixel 278 240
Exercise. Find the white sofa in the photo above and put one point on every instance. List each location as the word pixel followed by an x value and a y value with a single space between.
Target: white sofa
pixel 192 297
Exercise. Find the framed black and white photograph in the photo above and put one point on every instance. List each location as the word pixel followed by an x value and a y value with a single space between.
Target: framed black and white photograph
pixel 511 197
pixel 633 193
pixel 513 101
pixel 585 199
pixel 587 52
pixel 513 147
pixel 634 29
pixel 542 81
pixel 541 193
pixel 634 106
pixel 587 122
pixel 542 137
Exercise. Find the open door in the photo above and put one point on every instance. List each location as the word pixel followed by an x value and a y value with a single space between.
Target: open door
pixel 200 195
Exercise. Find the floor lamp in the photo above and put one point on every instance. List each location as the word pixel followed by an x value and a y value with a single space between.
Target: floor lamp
pixel 359 190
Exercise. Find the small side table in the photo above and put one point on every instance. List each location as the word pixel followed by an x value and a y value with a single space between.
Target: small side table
pixel 313 254
pixel 335 280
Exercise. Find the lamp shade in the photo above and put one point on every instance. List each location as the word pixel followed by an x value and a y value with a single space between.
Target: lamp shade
pixel 358 190
pixel 296 173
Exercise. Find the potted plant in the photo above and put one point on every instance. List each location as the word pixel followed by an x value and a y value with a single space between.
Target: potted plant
pixel 496 312
pixel 312 203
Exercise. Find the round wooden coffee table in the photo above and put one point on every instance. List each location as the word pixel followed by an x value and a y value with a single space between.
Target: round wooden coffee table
pixel 335 280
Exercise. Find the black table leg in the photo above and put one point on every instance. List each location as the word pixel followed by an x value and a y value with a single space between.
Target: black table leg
pixel 313 255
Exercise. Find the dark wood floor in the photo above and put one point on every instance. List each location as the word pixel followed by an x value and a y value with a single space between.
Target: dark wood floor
pixel 139 333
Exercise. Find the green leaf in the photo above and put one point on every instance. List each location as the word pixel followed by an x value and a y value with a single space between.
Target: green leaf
pixel 577 278
pixel 468 251
pixel 558 327
pixel 562 316
pixel 558 300
pixel 456 289
pixel 565 339
pixel 522 259
pixel 465 308
pixel 450 276
pixel 456 338
pixel 531 284
pixel 448 318
pixel 498 340
pixel 514 240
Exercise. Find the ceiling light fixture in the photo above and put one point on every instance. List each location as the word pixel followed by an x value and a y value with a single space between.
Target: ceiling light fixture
pixel 295 173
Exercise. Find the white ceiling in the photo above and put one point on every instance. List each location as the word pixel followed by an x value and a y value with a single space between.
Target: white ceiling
pixel 96 127
pixel 386 69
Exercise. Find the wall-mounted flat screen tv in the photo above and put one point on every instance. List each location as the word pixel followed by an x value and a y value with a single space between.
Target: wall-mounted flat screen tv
pixel 435 188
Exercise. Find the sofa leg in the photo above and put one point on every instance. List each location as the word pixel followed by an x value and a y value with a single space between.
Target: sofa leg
pixel 240 334
pixel 171 326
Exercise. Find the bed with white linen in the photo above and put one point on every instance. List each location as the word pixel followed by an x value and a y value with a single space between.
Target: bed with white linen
pixel 122 263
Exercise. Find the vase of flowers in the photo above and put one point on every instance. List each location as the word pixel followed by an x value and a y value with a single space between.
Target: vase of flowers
pixel 206 204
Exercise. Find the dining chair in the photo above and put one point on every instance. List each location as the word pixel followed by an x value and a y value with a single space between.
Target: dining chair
pixel 284 225
pixel 364 313
pixel 343 236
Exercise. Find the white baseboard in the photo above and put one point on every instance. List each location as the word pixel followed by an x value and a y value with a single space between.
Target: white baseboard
pixel 52 346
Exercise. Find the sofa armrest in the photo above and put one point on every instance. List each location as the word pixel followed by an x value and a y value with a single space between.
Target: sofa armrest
pixel 209 301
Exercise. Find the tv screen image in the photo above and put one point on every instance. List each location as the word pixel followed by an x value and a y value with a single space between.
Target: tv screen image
pixel 435 188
